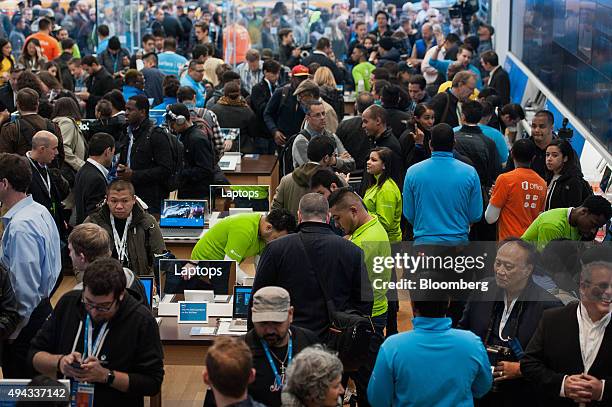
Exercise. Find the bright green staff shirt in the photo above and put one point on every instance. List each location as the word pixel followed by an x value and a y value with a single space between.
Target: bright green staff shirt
pixel 363 71
pixel 236 236
pixel 551 225
pixel 372 238
pixel 385 202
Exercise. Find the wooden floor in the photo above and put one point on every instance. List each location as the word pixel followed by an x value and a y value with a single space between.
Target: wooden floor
pixel 183 386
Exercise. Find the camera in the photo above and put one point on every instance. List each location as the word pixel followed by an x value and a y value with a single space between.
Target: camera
pixel 565 133
pixel 496 354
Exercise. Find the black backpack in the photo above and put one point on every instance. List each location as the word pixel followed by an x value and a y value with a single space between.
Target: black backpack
pixel 286 155
pixel 177 153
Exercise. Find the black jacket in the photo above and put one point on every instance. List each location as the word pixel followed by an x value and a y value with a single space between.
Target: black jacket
pixel 132 346
pixel 53 200
pixel 7 97
pixel 260 96
pixel 9 318
pixel 500 81
pixel 116 126
pixel 199 164
pixel 264 378
pixel 98 85
pixel 151 161
pixel 338 261
pixel 89 191
pixel 355 140
pixel 538 164
pixel 335 98
pixel 554 351
pixel 67 78
pixel 485 308
pixel 481 150
pixel 570 190
pixel 113 63
pixel 443 103
pixel 397 120
pixel 241 117
pixel 154 79
pixel 285 56
pixel 283 112
pixel 323 60
pixel 173 27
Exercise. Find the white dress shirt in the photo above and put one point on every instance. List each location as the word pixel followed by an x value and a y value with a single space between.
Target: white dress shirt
pixel 591 336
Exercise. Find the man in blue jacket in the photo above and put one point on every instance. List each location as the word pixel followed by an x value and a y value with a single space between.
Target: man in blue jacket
pixel 169 62
pixel 442 195
pixel 411 371
pixel 193 79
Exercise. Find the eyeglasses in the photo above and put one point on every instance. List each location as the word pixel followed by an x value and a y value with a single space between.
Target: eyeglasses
pixel 98 307
pixel 601 286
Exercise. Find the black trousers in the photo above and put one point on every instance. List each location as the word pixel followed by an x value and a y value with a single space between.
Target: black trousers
pixel 15 362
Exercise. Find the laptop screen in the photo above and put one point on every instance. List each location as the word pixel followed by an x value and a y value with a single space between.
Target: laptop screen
pixel 147 282
pixel 242 296
pixel 183 213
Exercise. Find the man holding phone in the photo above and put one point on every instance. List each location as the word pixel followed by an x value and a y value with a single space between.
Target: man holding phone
pixel 105 340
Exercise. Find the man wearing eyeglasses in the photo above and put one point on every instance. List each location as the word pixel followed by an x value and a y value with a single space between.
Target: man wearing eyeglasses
pixel 193 79
pixel 105 340
pixel 569 357
pixel 505 317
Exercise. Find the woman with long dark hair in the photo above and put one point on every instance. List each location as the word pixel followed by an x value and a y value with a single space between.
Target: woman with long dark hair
pixel 6 60
pixel 381 194
pixel 32 56
pixel 415 140
pixel 566 184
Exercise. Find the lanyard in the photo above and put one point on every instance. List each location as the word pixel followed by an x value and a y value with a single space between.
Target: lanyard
pixel 88 350
pixel 121 244
pixel 278 379
pixel 505 316
pixel 47 182
pixel 131 143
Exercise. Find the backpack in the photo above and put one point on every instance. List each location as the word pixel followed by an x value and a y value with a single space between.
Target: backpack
pixel 286 154
pixel 177 153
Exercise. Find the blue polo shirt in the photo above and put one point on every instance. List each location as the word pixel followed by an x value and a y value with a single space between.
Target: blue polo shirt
pixel 441 198
pixel 442 67
pixel 200 90
pixel 432 365
pixel 170 63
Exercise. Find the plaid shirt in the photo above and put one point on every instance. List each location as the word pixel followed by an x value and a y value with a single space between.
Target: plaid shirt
pixel 217 138
pixel 248 78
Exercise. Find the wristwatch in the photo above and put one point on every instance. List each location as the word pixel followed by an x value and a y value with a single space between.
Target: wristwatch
pixel 110 378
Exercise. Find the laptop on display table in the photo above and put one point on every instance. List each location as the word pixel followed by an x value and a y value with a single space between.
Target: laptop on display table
pixel 240 312
pixel 183 218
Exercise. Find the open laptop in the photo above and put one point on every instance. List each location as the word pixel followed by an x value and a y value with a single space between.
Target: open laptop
pixel 240 313
pixel 183 218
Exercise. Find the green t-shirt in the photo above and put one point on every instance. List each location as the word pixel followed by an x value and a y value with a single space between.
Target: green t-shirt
pixel 551 225
pixel 363 71
pixel 236 236
pixel 385 202
pixel 372 238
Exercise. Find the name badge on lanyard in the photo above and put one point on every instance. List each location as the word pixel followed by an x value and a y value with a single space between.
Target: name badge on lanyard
pixel 121 243
pixel 83 393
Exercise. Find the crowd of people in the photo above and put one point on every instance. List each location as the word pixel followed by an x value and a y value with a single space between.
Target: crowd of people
pixel 94 136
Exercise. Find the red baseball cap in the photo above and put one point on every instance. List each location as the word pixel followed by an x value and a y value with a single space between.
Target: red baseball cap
pixel 300 70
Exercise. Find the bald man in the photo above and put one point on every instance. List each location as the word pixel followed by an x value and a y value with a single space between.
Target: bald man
pixel 48 188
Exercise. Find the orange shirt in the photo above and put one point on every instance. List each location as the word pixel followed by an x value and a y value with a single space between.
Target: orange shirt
pixel 521 195
pixel 49 45
pixel 242 43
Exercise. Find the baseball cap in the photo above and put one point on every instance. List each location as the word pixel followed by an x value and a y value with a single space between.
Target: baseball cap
pixel 270 304
pixel 300 70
